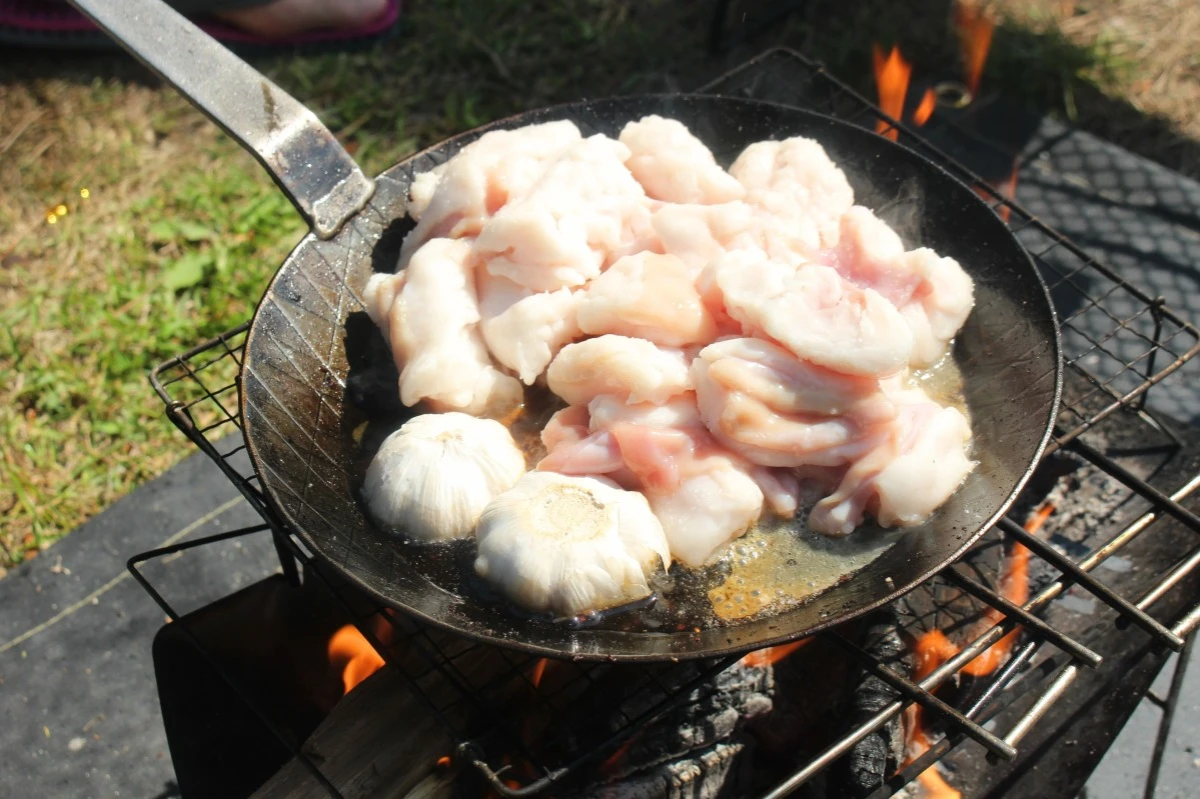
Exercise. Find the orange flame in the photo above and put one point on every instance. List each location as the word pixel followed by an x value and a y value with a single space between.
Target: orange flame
pixel 612 761
pixel 925 109
pixel 974 30
pixel 443 762
pixel 539 669
pixel 350 651
pixel 891 81
pixel 771 655
pixel 934 648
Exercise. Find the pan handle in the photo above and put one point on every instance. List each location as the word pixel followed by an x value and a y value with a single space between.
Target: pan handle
pixel 299 152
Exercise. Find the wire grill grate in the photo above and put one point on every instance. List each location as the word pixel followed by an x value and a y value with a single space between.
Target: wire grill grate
pixel 1118 343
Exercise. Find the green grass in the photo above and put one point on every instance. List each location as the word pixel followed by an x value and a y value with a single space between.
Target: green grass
pixel 181 230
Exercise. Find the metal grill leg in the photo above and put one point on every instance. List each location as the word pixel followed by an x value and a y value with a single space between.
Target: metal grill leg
pixel 1164 726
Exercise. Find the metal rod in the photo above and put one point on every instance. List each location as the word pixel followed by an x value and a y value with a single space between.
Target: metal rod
pixel 1078 575
pixel 1164 725
pixel 299 152
pixel 1137 484
pixel 893 709
pixel 997 601
pixel 924 698
pixel 1188 623
pixel 1171 580
pixel 1043 704
pixel 1000 681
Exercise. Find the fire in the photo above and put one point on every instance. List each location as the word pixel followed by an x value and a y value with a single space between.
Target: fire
pixel 612 761
pixel 925 109
pixel 974 30
pixel 539 669
pixel 772 654
pixel 350 651
pixel 934 648
pixel 891 81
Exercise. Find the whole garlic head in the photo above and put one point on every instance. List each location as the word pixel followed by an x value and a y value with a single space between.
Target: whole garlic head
pixel 433 477
pixel 567 545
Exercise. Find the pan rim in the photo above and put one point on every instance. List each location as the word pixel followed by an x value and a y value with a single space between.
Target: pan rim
pixel 709 652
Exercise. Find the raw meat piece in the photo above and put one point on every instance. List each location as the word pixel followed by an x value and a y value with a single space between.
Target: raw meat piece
pixel 605 410
pixel 485 175
pixel 647 296
pixel 675 166
pixel 566 426
pixel 776 377
pixel 698 234
pixel 435 339
pixel 421 191
pixel 934 295
pixel 796 182
pixel 698 492
pixel 525 330
pixel 768 436
pixel 702 494
pixel 916 466
pixel 378 295
pixel 815 313
pixel 939 306
pixel 629 367
pixel 585 207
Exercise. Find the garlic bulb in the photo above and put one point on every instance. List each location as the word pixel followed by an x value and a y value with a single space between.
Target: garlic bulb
pixel 568 545
pixel 433 477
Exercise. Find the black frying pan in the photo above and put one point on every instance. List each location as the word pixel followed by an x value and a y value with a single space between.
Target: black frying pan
pixel 317 388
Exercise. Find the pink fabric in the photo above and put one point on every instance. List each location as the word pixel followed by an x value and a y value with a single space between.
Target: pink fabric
pixel 44 17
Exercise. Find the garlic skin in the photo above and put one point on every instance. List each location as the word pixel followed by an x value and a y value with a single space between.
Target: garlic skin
pixel 433 477
pixel 568 545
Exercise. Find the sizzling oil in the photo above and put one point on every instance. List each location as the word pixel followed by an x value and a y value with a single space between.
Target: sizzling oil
pixel 779 563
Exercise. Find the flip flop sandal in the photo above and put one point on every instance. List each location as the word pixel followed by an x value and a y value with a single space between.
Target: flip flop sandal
pixel 58 26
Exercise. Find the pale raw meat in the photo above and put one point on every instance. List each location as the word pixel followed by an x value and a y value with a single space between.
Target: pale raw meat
pixel 647 296
pixel 702 494
pixel 815 313
pixel 796 182
pixel 698 234
pixel 939 306
pixel 378 295
pixel 698 492
pixel 488 173
pixel 934 295
pixel 629 367
pixel 435 336
pixel 675 166
pixel 585 207
pixel 780 488
pixel 915 468
pixel 525 330
pixel 566 426
pixel 595 454
pixel 776 377
pixel 594 450
pixel 770 437
pixel 421 191
pixel 605 410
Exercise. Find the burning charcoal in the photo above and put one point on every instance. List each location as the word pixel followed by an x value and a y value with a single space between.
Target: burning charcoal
pixel 880 753
pixel 709 772
pixel 693 745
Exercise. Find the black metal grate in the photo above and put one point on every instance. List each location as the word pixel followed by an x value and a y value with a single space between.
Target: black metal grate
pixel 1118 343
